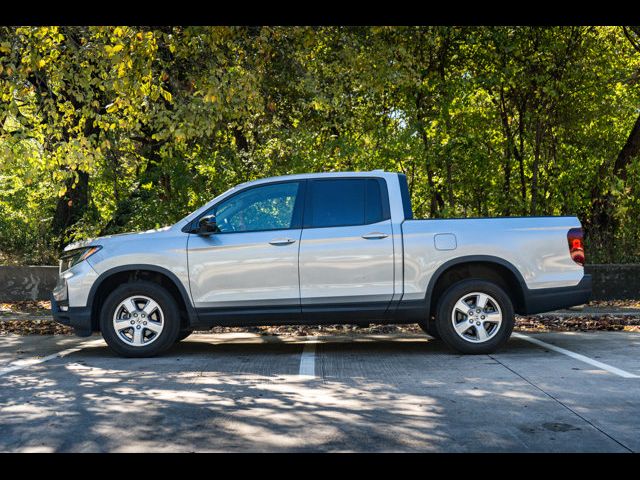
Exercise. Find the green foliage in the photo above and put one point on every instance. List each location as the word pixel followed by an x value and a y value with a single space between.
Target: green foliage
pixel 112 129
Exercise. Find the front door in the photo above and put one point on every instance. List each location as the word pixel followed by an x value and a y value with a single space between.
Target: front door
pixel 253 260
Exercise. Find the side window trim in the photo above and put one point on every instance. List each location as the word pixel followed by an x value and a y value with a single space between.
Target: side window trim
pixel 406 200
pixel 298 208
pixel 384 191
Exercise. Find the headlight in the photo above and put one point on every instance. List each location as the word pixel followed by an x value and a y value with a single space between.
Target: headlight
pixel 73 257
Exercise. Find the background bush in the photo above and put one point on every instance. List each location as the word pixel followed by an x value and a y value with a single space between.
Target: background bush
pixel 112 129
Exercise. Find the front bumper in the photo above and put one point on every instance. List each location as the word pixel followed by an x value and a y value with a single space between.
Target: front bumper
pixel 547 299
pixel 78 318
pixel 69 304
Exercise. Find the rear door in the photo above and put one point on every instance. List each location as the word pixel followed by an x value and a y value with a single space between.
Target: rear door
pixel 346 248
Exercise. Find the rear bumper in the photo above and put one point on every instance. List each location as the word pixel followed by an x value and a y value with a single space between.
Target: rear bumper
pixel 79 318
pixel 547 299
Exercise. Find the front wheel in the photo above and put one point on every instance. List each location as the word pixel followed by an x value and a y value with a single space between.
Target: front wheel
pixel 140 319
pixel 475 316
pixel 430 328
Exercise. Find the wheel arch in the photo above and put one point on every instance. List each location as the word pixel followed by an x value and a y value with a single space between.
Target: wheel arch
pixel 487 267
pixel 110 279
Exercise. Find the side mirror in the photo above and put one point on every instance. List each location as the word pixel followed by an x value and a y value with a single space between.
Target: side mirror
pixel 207 225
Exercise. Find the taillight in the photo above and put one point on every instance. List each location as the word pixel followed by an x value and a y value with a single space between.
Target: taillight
pixel 576 245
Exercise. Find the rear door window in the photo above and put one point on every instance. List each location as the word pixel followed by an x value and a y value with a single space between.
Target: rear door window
pixel 344 202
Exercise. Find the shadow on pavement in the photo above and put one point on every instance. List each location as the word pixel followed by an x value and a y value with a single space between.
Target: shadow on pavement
pixel 370 394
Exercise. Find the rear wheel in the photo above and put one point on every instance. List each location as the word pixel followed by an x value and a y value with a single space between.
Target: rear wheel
pixel 140 319
pixel 475 316
pixel 183 334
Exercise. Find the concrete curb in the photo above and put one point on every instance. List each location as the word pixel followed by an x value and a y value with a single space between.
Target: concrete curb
pixel 27 283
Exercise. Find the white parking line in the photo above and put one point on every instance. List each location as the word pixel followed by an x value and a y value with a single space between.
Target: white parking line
pixel 308 361
pixel 577 356
pixel 29 362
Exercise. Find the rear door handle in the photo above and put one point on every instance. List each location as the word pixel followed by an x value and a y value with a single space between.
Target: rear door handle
pixel 375 235
pixel 282 241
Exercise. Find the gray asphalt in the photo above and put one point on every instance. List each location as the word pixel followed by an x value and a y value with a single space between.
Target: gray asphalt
pixel 244 392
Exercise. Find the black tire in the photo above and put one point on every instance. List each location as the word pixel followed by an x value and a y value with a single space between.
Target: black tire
pixel 183 334
pixel 430 327
pixel 171 319
pixel 445 311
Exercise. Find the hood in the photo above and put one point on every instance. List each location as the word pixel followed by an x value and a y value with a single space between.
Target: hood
pixel 119 236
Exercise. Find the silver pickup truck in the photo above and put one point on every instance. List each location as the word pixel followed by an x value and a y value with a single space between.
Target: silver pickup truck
pixel 320 249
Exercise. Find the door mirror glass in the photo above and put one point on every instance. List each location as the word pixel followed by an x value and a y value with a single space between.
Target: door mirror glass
pixel 207 225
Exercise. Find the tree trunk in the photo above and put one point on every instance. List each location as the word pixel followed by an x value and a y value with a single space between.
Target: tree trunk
pixel 602 217
pixel 506 208
pixel 630 150
pixel 242 146
pixel 510 151
pixel 535 167
pixel 126 204
pixel 450 184
pixel 520 157
pixel 71 206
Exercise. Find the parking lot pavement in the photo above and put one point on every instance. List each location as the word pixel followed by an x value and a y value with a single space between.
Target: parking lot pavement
pixel 17 349
pixel 246 392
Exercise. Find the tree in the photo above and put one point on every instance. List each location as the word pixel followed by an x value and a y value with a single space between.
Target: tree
pixel 112 129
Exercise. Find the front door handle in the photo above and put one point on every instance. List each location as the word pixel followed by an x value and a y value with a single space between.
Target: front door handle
pixel 282 241
pixel 374 236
